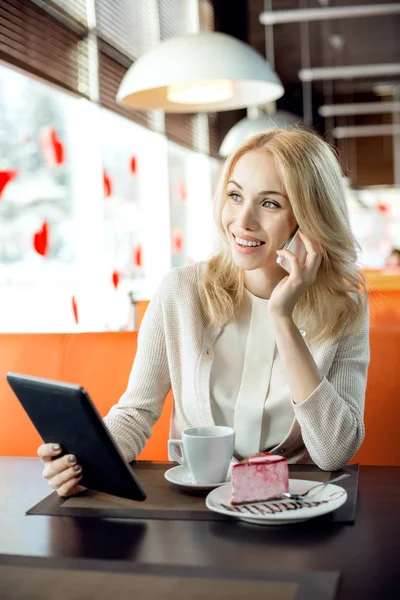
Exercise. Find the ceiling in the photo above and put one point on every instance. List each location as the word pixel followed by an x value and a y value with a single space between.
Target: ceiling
pixel 339 42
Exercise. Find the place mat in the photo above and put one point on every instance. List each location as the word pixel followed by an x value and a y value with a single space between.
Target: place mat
pixel 166 501
pixel 38 578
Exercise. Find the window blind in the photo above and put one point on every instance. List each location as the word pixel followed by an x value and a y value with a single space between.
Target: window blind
pixel 75 9
pixel 179 128
pixel 112 68
pixel 213 135
pixel 34 40
pixel 49 38
pixel 206 15
pixel 129 26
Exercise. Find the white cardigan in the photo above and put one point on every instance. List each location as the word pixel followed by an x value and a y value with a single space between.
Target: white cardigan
pixel 175 349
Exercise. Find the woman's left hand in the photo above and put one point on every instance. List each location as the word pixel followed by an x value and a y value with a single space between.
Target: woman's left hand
pixel 290 289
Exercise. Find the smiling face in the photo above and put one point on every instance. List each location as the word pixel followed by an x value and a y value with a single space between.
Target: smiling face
pixel 257 215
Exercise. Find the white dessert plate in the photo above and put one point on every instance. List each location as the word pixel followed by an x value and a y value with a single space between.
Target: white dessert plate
pixel 279 512
pixel 182 477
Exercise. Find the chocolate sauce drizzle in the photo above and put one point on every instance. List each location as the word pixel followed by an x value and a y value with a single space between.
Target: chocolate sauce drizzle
pixel 272 508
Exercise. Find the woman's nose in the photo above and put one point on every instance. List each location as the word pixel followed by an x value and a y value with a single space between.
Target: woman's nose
pixel 248 218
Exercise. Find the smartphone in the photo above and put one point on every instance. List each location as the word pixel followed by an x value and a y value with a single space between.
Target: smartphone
pixel 296 247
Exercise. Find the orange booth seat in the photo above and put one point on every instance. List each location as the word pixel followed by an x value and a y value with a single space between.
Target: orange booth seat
pixel 384 297
pixel 101 363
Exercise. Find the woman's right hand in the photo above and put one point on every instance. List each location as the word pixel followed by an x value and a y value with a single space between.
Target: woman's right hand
pixel 62 474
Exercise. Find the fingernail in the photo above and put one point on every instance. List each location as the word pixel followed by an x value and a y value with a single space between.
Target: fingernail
pixel 71 458
pixel 77 468
pixel 56 447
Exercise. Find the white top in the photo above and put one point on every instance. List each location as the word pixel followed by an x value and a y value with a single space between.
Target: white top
pixel 248 387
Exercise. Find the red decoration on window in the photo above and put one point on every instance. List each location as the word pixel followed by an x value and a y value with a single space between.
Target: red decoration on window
pixel 107 185
pixel 137 256
pixel 52 147
pixel 177 241
pixel 75 309
pixel 383 208
pixel 133 165
pixel 5 178
pixel 116 279
pixel 182 191
pixel 41 240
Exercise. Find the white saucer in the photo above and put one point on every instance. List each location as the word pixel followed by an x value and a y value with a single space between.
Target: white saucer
pixel 182 477
pixel 263 513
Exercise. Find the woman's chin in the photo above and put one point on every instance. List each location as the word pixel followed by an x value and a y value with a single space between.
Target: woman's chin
pixel 249 263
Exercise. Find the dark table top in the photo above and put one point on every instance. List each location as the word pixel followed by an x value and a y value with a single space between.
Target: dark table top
pixel 366 553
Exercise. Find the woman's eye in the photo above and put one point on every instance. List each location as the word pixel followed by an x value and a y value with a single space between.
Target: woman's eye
pixel 235 197
pixel 269 204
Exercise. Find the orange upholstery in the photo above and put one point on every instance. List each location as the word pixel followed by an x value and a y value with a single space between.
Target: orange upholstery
pixel 382 440
pixel 100 362
pixel 384 298
pixel 384 306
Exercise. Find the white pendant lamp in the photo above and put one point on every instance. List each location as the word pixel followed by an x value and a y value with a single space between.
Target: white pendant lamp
pixel 247 127
pixel 199 72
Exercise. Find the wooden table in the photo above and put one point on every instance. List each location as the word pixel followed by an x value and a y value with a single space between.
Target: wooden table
pixel 367 553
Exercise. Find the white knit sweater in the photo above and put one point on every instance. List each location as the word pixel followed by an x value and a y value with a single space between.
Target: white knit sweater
pixel 175 349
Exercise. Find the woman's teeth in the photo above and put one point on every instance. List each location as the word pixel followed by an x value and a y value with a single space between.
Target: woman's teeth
pixel 246 243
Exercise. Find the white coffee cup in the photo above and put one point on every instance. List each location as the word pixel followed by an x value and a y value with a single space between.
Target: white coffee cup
pixel 205 451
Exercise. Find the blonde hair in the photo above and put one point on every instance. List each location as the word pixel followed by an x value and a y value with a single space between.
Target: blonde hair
pixel 335 304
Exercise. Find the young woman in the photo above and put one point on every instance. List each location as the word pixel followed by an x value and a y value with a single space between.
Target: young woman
pixel 280 357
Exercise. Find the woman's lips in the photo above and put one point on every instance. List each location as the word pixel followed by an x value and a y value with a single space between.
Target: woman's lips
pixel 246 249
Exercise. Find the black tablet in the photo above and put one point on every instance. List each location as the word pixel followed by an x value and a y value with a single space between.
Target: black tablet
pixel 63 413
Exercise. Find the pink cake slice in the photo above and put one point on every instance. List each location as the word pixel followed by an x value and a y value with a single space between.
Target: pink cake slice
pixel 261 477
